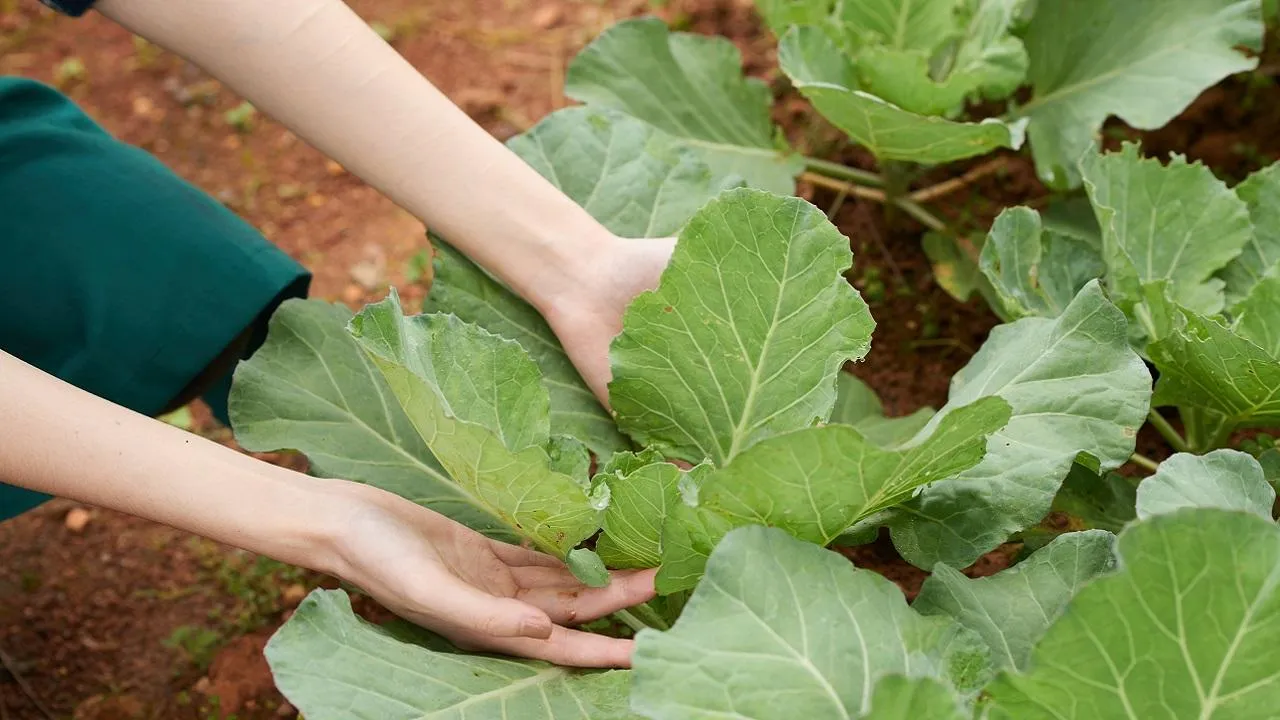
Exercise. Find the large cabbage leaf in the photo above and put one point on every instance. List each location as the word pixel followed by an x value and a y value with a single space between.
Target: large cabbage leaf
pixel 1012 609
pixel 1261 192
pixel 1224 479
pixel 1188 627
pixel 1035 271
pixel 690 87
pixel 1075 386
pixel 1141 60
pixel 1176 224
pixel 780 628
pixel 311 388
pixel 817 483
pixel 478 402
pixel 332 665
pixel 745 333
pixel 818 68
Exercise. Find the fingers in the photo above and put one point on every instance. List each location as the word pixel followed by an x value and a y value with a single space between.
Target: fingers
pixel 573 648
pixel 517 556
pixel 457 603
pixel 539 577
pixel 569 601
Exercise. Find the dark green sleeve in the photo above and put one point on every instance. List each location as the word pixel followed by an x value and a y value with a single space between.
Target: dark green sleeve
pixel 118 276
pixel 74 8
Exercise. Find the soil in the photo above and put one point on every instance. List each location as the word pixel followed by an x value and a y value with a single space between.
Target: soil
pixel 105 616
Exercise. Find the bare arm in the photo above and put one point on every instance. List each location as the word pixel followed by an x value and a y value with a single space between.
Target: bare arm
pixel 425 567
pixel 316 67
pixel 64 441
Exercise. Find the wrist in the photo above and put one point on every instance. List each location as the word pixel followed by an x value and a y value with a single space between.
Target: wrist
pixel 313 528
pixel 578 264
pixel 347 513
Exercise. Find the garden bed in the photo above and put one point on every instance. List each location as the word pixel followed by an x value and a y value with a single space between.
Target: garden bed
pixel 124 615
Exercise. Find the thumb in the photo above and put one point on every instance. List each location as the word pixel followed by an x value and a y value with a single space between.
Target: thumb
pixel 466 607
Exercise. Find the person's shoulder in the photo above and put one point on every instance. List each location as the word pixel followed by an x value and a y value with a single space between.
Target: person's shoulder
pixel 74 8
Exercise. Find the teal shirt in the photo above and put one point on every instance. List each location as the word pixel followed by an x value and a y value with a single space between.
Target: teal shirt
pixel 118 276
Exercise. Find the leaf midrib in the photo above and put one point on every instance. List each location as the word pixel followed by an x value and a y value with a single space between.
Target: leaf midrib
pixel 800 659
pixel 541 678
pixel 753 390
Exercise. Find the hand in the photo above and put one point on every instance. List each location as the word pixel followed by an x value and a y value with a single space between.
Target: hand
pixel 483 594
pixel 478 593
pixel 589 316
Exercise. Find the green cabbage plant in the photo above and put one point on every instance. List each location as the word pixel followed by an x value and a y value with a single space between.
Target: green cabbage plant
pixel 734 366
pixel 740 448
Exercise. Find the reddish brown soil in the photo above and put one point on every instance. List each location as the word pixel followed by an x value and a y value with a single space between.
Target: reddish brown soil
pixel 128 619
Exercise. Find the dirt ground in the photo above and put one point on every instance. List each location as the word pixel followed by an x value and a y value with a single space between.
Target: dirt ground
pixel 105 617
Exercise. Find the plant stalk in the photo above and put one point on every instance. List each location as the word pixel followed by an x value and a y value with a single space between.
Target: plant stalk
pixel 1144 462
pixel 650 617
pixel 1167 431
pixel 923 216
pixel 843 186
pixel 906 204
pixel 852 175
pixel 1221 436
pixel 1206 430
pixel 947 187
pixel 896 181
pixel 630 620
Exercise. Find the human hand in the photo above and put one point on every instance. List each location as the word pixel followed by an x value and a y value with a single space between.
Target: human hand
pixel 478 593
pixel 588 316
pixel 483 594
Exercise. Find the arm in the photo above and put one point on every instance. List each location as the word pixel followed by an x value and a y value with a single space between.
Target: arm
pixel 426 568
pixel 64 441
pixel 318 68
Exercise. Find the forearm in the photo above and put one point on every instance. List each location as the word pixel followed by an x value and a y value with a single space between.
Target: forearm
pixel 64 441
pixel 317 68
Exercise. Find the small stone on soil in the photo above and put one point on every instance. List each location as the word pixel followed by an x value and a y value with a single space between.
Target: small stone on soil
pixel 367 274
pixel 143 106
pixel 547 17
pixel 352 295
pixel 293 594
pixel 78 519
pixel 371 272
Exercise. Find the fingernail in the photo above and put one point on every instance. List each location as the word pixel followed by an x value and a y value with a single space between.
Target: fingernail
pixel 536 626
